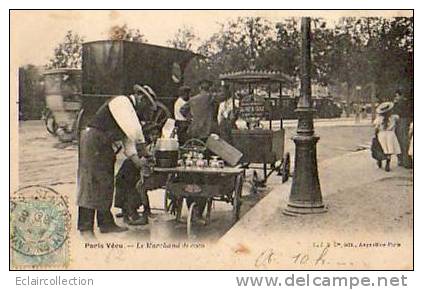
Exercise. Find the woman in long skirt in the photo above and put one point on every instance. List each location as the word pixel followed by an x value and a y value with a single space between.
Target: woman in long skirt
pixel 385 125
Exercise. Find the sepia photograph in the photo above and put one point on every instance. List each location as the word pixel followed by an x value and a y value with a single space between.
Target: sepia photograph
pixel 211 140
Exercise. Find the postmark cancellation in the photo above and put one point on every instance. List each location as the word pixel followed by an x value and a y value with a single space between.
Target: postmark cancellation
pixel 39 228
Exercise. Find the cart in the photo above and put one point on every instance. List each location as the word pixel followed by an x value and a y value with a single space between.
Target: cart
pixel 202 186
pixel 63 90
pixel 259 145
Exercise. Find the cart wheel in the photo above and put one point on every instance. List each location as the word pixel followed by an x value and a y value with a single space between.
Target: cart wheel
pixel 177 204
pixel 50 123
pixel 209 208
pixel 286 167
pixel 167 201
pixel 80 123
pixel 190 219
pixel 236 202
pixel 161 115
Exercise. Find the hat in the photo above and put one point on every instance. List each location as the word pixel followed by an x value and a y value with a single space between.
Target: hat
pixel 384 107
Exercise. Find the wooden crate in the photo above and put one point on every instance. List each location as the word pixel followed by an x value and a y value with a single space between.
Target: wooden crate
pixel 259 145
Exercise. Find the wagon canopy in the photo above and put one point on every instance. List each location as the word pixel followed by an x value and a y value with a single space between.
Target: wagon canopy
pixel 257 76
pixel 113 67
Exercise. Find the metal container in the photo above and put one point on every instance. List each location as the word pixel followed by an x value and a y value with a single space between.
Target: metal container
pixel 224 150
pixel 163 144
pixel 166 153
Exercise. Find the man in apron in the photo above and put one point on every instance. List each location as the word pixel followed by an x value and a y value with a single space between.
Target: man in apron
pixel 115 121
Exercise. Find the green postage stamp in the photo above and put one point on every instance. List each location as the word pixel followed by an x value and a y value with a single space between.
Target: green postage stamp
pixel 39 228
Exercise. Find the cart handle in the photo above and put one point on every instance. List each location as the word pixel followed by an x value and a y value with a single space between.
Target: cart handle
pixel 194 144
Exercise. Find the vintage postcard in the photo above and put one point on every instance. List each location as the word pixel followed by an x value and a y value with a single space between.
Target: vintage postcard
pixel 241 139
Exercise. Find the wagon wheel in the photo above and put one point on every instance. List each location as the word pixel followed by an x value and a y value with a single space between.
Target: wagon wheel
pixel 194 145
pixel 285 167
pixel 79 123
pixel 50 123
pixel 162 113
pixel 178 203
pixel 171 204
pixel 154 123
pixel 159 116
pixel 190 219
pixel 208 212
pixel 168 202
pixel 236 201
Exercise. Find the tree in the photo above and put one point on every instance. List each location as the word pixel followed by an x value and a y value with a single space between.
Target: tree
pixel 184 38
pixel 31 93
pixel 68 54
pixel 122 32
pixel 284 53
pixel 238 45
pixel 373 50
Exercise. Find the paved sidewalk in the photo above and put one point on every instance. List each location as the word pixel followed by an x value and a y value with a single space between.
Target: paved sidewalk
pixel 365 205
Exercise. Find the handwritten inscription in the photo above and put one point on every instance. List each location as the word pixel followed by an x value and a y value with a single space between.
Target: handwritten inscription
pixel 305 258
pixel 267 257
pixel 308 258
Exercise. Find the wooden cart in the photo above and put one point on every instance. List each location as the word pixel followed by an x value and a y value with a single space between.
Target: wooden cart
pixel 258 144
pixel 202 185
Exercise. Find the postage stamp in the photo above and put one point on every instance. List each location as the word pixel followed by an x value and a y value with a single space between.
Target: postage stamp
pixel 39 228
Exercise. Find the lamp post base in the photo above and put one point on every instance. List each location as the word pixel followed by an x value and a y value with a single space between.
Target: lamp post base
pixel 305 196
pixel 296 209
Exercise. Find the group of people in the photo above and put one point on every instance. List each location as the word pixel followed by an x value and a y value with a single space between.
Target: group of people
pixel 394 132
pixel 200 115
pixel 118 121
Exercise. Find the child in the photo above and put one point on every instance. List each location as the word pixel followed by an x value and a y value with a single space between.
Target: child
pixel 385 125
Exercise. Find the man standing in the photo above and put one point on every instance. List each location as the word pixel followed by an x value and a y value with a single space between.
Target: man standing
pixel 404 109
pixel 115 121
pixel 204 110
pixel 182 117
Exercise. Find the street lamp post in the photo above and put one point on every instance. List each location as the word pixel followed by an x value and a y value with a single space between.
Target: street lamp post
pixel 305 197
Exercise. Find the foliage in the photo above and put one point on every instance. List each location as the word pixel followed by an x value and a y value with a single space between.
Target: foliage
pixel 375 51
pixel 68 53
pixel 184 38
pixel 351 52
pixel 31 92
pixel 122 32
pixel 238 45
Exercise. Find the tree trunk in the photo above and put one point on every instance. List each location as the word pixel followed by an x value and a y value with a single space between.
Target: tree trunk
pixel 348 107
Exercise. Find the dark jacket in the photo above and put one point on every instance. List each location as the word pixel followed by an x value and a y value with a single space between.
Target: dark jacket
pixel 203 109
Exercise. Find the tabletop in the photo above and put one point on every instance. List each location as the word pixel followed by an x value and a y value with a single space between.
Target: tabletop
pixel 201 170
